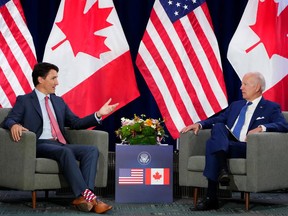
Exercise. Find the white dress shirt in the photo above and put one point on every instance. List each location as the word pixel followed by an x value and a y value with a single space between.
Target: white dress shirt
pixel 46 134
pixel 250 110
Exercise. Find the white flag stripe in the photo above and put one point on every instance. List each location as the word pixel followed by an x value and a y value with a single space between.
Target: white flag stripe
pixel 20 23
pixel 173 69
pixel 186 48
pixel 192 74
pixel 168 61
pixel 204 61
pixel 206 64
pixel 17 53
pixel 158 78
pixel 208 31
pixel 4 101
pixel 11 77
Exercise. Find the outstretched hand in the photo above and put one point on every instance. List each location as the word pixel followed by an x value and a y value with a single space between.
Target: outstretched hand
pixel 107 108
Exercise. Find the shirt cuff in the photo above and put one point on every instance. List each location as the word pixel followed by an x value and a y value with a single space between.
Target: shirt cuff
pixel 263 128
pixel 97 118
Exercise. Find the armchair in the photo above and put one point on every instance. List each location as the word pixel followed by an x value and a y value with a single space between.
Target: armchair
pixel 21 170
pixel 264 169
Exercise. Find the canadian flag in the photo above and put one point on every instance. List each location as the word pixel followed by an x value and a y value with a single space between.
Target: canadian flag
pixel 157 176
pixel 88 45
pixel 260 44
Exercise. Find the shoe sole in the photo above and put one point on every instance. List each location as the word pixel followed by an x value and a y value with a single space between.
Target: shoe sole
pixel 101 212
pixel 224 181
pixel 85 207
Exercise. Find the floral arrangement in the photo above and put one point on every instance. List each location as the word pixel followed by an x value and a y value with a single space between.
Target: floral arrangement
pixel 142 131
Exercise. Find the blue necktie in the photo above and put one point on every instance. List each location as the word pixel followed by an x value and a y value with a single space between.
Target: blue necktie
pixel 241 120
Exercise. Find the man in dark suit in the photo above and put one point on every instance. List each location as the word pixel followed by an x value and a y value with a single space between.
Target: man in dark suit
pixel 32 112
pixel 228 135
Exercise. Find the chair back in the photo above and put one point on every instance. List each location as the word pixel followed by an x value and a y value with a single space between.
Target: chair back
pixel 285 113
pixel 3 113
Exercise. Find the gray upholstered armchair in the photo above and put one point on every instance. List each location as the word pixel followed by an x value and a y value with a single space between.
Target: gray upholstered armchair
pixel 21 170
pixel 264 169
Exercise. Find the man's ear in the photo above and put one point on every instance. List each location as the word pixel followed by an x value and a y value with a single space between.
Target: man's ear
pixel 258 87
pixel 40 79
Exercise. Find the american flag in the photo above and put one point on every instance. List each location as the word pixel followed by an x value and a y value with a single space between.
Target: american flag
pixel 17 54
pixel 130 176
pixel 180 62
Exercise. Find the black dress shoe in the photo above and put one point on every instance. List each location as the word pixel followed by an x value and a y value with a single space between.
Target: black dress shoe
pixel 207 204
pixel 224 178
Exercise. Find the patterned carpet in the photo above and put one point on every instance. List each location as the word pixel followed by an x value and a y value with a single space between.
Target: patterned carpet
pixel 19 203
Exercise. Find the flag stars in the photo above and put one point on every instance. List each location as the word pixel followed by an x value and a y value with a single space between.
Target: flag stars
pixel 170 2
pixel 194 1
pixel 185 7
pixel 176 13
pixel 178 4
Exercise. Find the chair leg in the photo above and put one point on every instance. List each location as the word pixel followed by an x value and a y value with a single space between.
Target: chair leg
pixel 247 200
pixel 33 199
pixel 242 195
pixel 46 194
pixel 195 196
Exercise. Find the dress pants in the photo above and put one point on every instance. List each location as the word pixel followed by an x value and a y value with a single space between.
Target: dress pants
pixel 221 140
pixel 67 155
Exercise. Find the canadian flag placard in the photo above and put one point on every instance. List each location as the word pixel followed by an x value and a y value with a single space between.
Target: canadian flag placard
pixel 157 176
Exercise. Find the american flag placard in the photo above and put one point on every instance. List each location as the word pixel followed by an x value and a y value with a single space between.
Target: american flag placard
pixel 130 176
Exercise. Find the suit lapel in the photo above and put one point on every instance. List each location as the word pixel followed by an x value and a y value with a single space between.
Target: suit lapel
pixel 36 103
pixel 258 111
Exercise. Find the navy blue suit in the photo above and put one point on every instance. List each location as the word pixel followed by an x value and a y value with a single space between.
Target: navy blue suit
pixel 27 112
pixel 267 113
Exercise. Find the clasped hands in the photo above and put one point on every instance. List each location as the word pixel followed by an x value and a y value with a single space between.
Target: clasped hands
pixel 106 109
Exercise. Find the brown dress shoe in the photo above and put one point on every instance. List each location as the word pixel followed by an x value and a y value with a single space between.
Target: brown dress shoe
pixel 81 204
pixel 100 207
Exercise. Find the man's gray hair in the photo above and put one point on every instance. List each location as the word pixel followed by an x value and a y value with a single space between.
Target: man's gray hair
pixel 259 78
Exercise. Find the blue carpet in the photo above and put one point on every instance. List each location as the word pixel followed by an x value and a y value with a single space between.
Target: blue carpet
pixel 19 203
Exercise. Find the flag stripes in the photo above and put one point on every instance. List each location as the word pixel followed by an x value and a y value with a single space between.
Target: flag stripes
pixel 17 54
pixel 180 62
pixel 130 176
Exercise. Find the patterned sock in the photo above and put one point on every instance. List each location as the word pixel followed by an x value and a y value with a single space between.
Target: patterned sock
pixel 88 195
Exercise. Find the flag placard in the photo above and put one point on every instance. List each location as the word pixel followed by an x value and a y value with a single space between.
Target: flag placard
pixel 143 173
pixel 157 176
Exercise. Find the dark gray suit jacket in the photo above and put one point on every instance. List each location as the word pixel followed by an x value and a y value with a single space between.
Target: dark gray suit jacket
pixel 27 112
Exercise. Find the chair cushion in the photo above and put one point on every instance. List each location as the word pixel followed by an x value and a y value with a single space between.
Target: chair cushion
pixel 44 165
pixel 236 165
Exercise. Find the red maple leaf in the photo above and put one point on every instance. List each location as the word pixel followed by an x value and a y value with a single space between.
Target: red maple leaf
pixel 271 29
pixel 157 176
pixel 80 28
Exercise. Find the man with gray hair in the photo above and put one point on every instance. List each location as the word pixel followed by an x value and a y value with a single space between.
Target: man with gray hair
pixel 254 114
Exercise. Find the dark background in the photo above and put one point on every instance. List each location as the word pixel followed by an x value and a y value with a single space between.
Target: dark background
pixel 134 15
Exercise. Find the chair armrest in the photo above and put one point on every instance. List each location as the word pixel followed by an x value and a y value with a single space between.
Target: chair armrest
pixel 17 160
pixel 267 161
pixel 98 138
pixel 190 145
